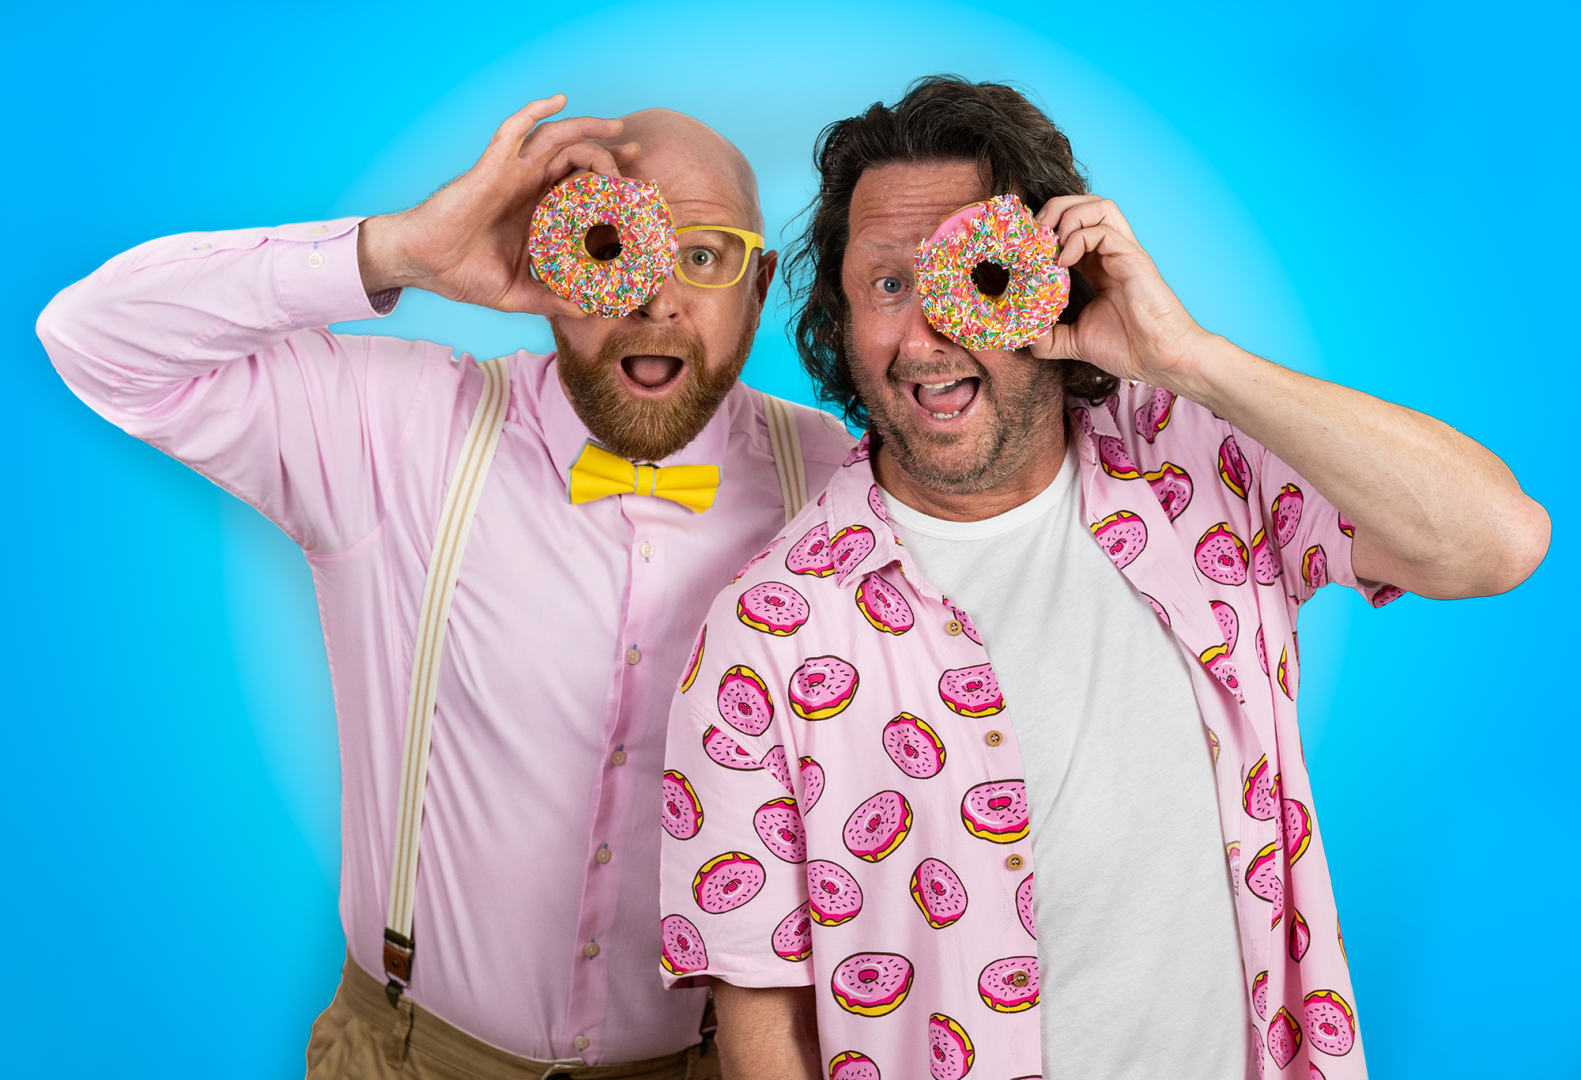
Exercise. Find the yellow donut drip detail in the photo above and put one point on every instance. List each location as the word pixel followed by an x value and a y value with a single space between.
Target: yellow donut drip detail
pixel 556 243
pixel 1001 231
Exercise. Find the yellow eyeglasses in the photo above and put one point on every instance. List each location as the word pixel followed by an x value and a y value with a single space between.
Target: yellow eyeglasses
pixel 714 256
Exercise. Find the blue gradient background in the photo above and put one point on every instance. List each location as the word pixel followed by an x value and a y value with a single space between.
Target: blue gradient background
pixel 1382 197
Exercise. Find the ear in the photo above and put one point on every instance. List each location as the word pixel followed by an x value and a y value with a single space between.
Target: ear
pixel 768 263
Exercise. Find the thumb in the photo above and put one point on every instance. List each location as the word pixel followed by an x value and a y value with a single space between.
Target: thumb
pixel 1059 343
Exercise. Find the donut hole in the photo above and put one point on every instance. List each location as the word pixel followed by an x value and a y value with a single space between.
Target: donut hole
pixel 602 242
pixel 991 279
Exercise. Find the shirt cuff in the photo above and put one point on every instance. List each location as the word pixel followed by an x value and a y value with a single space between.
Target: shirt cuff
pixel 317 277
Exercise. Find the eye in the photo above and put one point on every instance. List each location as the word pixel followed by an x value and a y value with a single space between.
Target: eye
pixel 700 256
pixel 891 285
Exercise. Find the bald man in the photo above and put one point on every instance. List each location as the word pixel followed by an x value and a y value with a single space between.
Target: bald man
pixel 501 913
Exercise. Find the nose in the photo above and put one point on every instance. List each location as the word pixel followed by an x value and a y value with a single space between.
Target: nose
pixel 664 305
pixel 919 340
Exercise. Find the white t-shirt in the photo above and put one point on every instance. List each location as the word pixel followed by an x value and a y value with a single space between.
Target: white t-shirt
pixel 1138 954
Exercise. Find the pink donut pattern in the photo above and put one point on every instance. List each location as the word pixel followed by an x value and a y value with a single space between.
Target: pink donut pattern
pixel 1298 828
pixel 1213 745
pixel 1286 675
pixel 759 557
pixel 1265 564
pixel 1233 470
pixel 811 781
pixel 1386 595
pixel 779 826
pixel 723 750
pixel 1009 985
pixel 1262 651
pixel 1153 417
pixel 1229 622
pixel 1024 906
pixel 1262 878
pixel 851 545
pixel 1346 527
pixel 1172 486
pixel 777 765
pixel 1260 995
pixel 950 1049
pixel 793 936
pixel 968 628
pixel 858 452
pixel 938 892
pixel 1221 667
pixel 1284 1037
pixel 833 896
pixel 683 950
pixel 1158 609
pixel 882 605
pixel 822 687
pixel 875 503
pixel 914 746
pixel 872 984
pixel 1314 567
pixel 878 826
pixel 972 692
pixel 1221 556
pixel 1300 936
pixel 811 555
pixel 774 608
pixel 997 811
pixel 727 881
pixel 695 662
pixel 1260 791
pixel 744 701
pixel 1330 1022
pixel 851 1065
pixel 682 812
pixel 1114 460
pixel 1122 535
pixel 1287 513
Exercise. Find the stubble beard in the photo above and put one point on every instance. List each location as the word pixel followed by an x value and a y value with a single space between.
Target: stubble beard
pixel 641 430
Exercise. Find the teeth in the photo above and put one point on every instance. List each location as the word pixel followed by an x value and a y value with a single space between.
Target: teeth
pixel 940 386
pixel 945 415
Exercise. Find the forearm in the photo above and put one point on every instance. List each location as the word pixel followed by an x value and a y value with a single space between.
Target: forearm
pixel 767 1034
pixel 1435 512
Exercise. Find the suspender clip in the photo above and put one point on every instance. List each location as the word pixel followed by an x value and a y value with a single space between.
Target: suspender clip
pixel 397 964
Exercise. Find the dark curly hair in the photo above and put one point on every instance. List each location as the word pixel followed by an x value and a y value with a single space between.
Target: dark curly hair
pixel 940 118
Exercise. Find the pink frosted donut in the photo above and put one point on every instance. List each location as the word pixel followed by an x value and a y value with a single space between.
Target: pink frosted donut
pixel 1265 564
pixel 811 781
pixel 811 555
pixel 913 746
pixel 1009 985
pixel 682 812
pixel 1158 609
pixel 1262 650
pixel 695 662
pixel 1346 527
pixel 1286 675
pixel 871 984
pixel 939 893
pixel 1260 792
pixel 1229 623
pixel 972 691
pixel 727 881
pixel 1298 828
pixel 989 277
pixel 833 896
pixel 950 1052
pixel 1284 1037
pixel 683 946
pixel 1024 906
pixel 851 545
pixel 1172 486
pixel 1221 556
pixel 1233 470
pixel 744 701
pixel 1262 878
pixel 851 1065
pixel 858 452
pixel 724 750
pixel 997 811
pixel 1115 459
pixel 875 503
pixel 877 827
pixel 1220 666
pixel 882 605
pixel 1260 995
pixel 777 765
pixel 1314 567
pixel 1153 416
pixel 603 280
pixel 773 608
pixel 1287 513
pixel 1122 535
pixel 822 687
pixel 1330 1022
pixel 779 826
pixel 1300 936
pixel 792 938
pixel 1386 595
pixel 965 620
pixel 759 557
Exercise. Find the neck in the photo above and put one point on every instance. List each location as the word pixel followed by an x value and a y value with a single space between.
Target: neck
pixel 1044 455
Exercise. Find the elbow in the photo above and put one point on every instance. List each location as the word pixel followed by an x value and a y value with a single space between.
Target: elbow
pixel 1525 534
pixel 1511 546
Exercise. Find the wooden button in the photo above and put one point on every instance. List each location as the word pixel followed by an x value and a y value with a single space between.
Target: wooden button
pixel 590 950
pixel 1019 978
pixel 618 757
pixel 603 855
pixel 953 627
pixel 1013 863
pixel 633 656
pixel 581 1042
pixel 993 738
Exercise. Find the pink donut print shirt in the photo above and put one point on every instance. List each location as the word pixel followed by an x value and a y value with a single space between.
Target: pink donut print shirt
pixel 904 894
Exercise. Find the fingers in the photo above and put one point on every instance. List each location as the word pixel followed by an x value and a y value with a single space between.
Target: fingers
pixel 1095 240
pixel 547 138
pixel 536 298
pixel 1058 344
pixel 516 127
pixel 580 156
pixel 1068 213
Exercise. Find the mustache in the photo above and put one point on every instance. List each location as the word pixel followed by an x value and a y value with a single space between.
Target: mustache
pixel 935 371
pixel 666 342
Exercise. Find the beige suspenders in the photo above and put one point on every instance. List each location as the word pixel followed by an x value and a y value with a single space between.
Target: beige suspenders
pixel 444 564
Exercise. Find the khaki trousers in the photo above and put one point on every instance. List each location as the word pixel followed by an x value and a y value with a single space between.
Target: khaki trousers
pixel 361 1037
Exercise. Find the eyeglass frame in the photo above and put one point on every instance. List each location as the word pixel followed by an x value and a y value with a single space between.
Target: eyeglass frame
pixel 754 242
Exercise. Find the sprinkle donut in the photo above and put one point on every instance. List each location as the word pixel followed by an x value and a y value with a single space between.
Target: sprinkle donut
pixel 1024 907
pixel 1298 828
pixel 1284 1037
pixel 759 557
pixel 939 893
pixel 1260 792
pixel 851 1065
pixel 792 938
pixel 950 1052
pixel 773 608
pixel 615 279
pixel 683 946
pixel 972 692
pixel 913 746
pixel 882 605
pixel 682 812
pixel 777 764
pixel 833 896
pixel 850 546
pixel 997 811
pixel 1330 1022
pixel 878 826
pixel 989 276
pixel 723 750
pixel 1122 535
pixel 812 555
pixel 779 826
pixel 871 984
pixel 1222 556
pixel 744 701
pixel 811 781
pixel 1260 995
pixel 1262 878
pixel 727 881
pixel 695 662
pixel 822 687
pixel 1009 985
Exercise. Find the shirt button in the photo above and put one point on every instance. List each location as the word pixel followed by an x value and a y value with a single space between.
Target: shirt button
pixel 590 950
pixel 315 260
pixel 993 738
pixel 201 247
pixel 646 549
pixel 1019 978
pixel 320 229
pixel 603 855
pixel 618 757
pixel 632 656
pixel 580 1042
pixel 1012 863
pixel 953 627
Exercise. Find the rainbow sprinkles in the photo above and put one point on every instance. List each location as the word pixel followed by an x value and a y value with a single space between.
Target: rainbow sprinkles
pixel 557 243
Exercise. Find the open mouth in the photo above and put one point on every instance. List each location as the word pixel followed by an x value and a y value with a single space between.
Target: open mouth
pixel 948 400
pixel 651 375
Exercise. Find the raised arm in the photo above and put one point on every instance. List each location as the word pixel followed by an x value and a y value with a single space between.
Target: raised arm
pixel 767 1034
pixel 1435 512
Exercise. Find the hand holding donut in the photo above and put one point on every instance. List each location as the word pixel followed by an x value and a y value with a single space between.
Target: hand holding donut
pixel 468 241
pixel 1134 327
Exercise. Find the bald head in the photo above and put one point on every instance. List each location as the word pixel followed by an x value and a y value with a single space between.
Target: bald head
pixel 704 178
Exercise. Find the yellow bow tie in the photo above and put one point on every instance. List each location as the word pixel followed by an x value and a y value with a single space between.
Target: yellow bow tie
pixel 598 473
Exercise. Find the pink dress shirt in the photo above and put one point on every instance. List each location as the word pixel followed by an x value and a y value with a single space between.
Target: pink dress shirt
pixel 844 805
pixel 537 890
